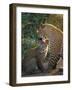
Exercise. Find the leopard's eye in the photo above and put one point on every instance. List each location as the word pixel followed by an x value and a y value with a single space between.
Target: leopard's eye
pixel 40 38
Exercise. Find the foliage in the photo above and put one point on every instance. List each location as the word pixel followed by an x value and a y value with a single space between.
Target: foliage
pixel 56 20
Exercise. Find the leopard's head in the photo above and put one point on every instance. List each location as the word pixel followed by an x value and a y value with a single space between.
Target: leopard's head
pixel 42 36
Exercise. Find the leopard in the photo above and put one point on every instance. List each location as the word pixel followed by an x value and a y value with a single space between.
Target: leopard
pixel 48 53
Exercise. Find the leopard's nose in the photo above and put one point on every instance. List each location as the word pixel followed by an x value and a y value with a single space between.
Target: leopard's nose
pixel 47 41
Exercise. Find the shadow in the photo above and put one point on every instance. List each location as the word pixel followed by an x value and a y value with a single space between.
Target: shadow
pixel 6 83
